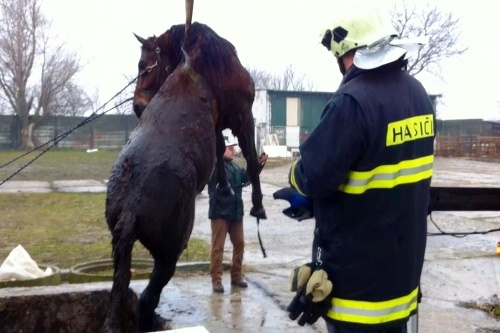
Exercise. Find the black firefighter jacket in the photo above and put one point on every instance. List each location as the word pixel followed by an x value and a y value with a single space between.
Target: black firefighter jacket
pixel 367 166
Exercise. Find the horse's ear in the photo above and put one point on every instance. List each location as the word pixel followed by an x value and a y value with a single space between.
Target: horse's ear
pixel 140 39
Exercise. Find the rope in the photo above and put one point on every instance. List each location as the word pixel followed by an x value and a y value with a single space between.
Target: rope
pixel 457 234
pixel 60 137
pixel 260 240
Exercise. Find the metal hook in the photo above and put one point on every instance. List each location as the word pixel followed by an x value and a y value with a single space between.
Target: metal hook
pixel 319 262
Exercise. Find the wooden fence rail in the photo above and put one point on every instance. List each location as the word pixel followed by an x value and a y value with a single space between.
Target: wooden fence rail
pixel 467 146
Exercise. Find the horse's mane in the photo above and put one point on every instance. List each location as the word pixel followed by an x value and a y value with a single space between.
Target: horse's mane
pixel 211 51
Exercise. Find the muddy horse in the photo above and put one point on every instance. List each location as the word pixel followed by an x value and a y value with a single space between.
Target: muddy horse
pixel 169 159
pixel 230 82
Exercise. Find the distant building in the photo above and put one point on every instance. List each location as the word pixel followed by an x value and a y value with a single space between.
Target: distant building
pixel 285 118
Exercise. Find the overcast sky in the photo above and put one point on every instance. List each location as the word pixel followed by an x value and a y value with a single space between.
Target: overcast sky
pixel 269 35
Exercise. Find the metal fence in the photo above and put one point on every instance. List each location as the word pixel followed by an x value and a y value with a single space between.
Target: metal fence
pixel 108 132
pixel 468 146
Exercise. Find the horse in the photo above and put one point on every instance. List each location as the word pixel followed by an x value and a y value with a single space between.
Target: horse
pixel 231 83
pixel 152 187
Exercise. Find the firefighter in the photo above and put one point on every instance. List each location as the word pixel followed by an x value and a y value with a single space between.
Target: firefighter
pixel 364 175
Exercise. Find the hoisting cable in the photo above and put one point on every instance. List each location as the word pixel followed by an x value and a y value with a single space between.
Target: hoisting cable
pixel 456 234
pixel 92 116
pixel 60 137
pixel 56 140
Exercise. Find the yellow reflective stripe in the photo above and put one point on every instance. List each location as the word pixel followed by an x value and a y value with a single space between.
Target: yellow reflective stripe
pixel 364 312
pixel 293 182
pixel 389 176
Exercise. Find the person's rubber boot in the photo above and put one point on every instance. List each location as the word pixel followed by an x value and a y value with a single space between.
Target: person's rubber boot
pixel 239 283
pixel 217 287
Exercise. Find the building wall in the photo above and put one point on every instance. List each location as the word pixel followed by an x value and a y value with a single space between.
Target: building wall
pixel 310 108
pixel 260 107
pixel 467 127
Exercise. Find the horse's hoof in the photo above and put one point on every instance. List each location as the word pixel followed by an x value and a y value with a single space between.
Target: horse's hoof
pixel 259 213
pixel 161 324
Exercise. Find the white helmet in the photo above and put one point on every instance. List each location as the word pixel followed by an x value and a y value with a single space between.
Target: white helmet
pixel 230 143
pixel 359 25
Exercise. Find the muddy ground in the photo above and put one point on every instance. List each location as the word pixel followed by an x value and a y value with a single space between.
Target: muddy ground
pixel 457 271
pixel 461 276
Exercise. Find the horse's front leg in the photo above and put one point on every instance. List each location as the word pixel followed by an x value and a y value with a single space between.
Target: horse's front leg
pixel 163 271
pixel 246 140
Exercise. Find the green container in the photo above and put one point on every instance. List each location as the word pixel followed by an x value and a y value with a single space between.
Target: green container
pixel 50 280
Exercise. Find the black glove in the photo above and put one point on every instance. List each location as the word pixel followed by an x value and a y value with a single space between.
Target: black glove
pixel 301 207
pixel 302 304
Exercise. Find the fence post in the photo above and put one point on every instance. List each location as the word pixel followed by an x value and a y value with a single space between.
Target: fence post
pixel 15 132
pixel 92 136
pixel 56 130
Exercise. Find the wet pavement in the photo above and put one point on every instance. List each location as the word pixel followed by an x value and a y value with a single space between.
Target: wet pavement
pixel 455 270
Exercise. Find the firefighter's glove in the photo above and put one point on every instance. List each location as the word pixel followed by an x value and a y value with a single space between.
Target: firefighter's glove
pixel 301 207
pixel 313 300
pixel 319 286
pixel 300 276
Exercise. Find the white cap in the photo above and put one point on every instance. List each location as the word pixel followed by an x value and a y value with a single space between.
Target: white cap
pixel 230 143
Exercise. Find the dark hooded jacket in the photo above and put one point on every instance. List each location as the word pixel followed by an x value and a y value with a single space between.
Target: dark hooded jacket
pixel 224 206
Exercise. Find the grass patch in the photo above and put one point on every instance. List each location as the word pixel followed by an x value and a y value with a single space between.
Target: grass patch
pixel 58 164
pixel 65 229
pixel 65 164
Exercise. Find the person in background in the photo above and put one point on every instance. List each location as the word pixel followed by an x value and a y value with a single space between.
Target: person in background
pixel 226 215
pixel 364 174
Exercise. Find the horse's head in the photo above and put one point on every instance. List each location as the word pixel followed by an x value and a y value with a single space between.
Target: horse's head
pixel 159 57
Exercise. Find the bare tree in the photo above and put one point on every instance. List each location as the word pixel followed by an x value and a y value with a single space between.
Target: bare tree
pixel 121 105
pixel 443 30
pixel 4 106
pixel 72 101
pixel 289 79
pixel 25 53
pixel 262 79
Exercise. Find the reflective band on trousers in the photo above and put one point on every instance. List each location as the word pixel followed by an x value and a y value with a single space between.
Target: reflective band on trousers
pixel 389 176
pixel 364 312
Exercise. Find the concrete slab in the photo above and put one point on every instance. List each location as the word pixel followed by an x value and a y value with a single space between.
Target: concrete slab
pixel 189 301
pixel 21 186
pixel 79 186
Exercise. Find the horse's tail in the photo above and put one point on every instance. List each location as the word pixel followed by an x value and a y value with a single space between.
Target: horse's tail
pixel 123 238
